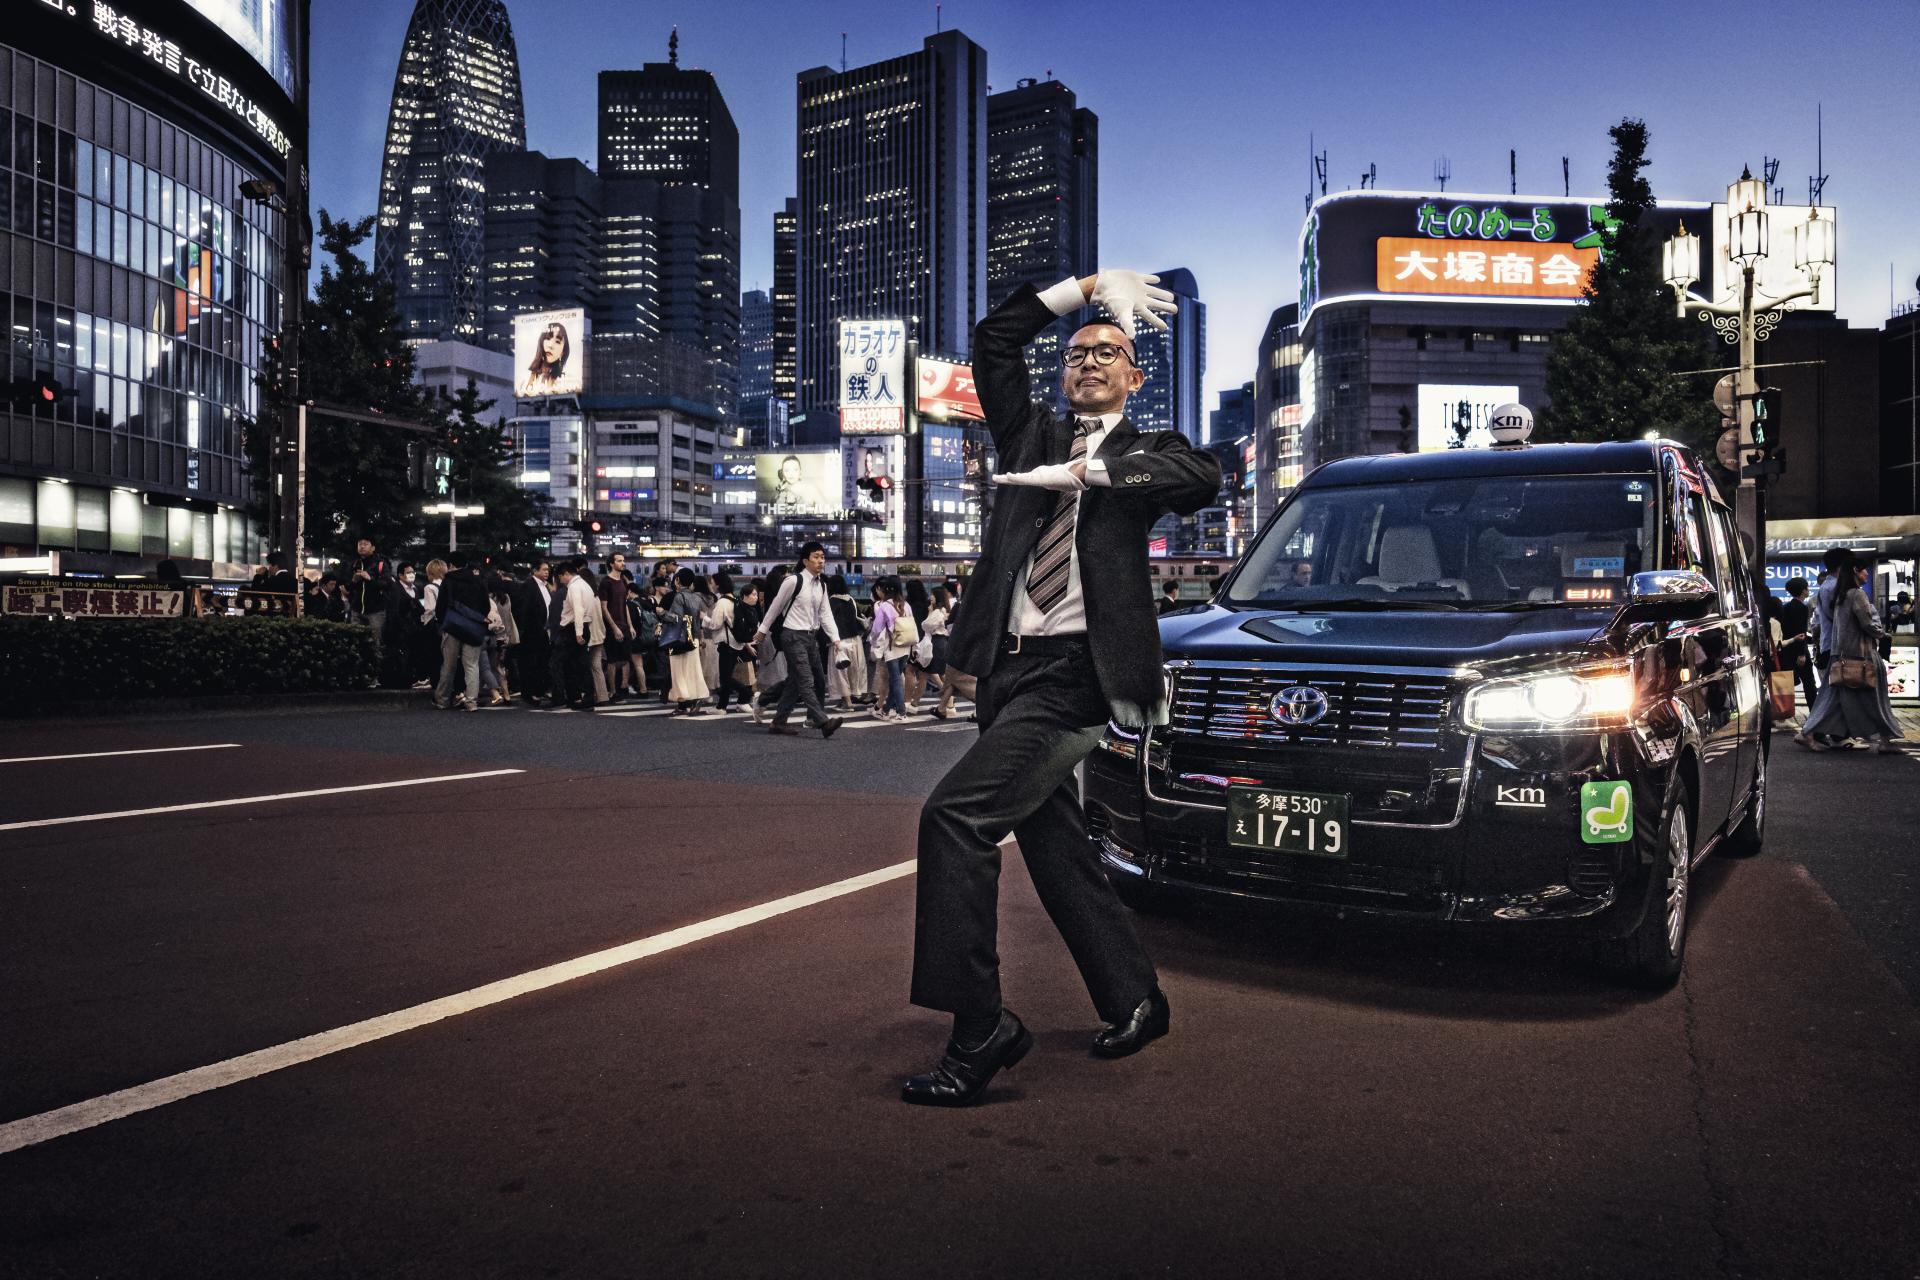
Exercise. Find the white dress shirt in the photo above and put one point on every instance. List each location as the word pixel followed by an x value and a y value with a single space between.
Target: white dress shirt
pixel 801 605
pixel 581 612
pixel 1069 617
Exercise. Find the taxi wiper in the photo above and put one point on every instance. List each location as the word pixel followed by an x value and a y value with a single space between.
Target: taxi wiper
pixel 1519 606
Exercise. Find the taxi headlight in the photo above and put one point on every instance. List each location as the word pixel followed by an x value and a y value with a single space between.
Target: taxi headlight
pixel 1555 700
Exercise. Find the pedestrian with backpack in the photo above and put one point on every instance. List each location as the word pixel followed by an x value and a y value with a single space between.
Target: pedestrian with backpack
pixel 731 625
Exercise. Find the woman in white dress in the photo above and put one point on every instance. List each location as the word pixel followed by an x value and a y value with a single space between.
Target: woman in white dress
pixel 688 691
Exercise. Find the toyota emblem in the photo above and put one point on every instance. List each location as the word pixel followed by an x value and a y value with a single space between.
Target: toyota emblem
pixel 1298 706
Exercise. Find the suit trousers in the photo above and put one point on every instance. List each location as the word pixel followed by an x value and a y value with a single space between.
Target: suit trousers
pixel 806 676
pixel 1039 717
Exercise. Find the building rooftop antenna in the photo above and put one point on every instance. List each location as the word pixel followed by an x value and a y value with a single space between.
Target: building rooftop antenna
pixel 1442 170
pixel 843 53
pixel 673 48
pixel 1769 170
pixel 936 18
pixel 1513 172
pixel 1817 183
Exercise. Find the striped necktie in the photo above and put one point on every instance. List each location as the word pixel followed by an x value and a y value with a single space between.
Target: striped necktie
pixel 1053 556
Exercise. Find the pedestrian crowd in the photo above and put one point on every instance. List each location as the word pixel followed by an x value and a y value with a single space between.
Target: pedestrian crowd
pixel 572 634
pixel 1835 645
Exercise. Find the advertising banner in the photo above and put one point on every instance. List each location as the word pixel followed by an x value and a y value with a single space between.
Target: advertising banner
pixel 53 599
pixel 1481 268
pixel 1388 245
pixel 802 484
pixel 947 391
pixel 874 469
pixel 549 353
pixel 265 29
pixel 1443 406
pixel 873 377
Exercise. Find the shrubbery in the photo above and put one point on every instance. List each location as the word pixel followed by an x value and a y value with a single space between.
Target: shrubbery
pixel 49 661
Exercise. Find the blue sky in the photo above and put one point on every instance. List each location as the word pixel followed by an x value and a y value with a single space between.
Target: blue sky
pixel 1206 109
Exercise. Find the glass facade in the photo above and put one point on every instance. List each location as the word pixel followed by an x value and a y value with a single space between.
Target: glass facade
pixel 135 275
pixel 456 101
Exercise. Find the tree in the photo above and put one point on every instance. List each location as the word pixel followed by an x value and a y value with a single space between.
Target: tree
pixel 482 469
pixel 351 355
pixel 1610 372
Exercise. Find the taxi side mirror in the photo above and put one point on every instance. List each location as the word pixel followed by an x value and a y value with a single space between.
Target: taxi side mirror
pixel 1664 595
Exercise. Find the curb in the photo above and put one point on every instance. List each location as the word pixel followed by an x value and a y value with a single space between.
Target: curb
pixel 240 704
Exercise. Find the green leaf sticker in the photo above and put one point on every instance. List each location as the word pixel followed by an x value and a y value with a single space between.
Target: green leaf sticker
pixel 1606 812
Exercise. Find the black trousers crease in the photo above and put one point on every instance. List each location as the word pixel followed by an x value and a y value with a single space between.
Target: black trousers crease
pixel 1039 718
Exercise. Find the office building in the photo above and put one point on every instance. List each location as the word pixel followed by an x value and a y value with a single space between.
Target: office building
pixel 670 127
pixel 892 209
pixel 786 231
pixel 1175 364
pixel 140 283
pixel 757 401
pixel 1900 411
pixel 543 239
pixel 1233 418
pixel 1043 212
pixel 443 370
pixel 456 102
pixel 1276 414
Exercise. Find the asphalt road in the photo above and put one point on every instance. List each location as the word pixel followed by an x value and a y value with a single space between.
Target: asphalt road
pixel 435 1048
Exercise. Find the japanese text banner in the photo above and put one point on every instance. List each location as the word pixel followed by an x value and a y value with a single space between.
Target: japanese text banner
pixel 1482 268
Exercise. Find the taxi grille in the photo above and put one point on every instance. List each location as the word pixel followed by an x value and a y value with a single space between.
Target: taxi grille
pixel 1233 705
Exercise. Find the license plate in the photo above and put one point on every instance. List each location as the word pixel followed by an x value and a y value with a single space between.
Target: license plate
pixel 1310 822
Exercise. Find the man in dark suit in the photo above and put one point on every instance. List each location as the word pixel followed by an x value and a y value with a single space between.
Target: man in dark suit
pixel 533 598
pixel 1061 631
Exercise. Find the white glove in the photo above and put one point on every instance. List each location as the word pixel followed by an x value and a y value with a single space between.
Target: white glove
pixel 1059 475
pixel 1125 294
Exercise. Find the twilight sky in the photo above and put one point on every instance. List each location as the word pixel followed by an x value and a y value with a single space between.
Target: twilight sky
pixel 1206 109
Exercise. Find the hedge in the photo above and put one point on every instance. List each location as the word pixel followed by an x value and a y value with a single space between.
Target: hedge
pixel 48 661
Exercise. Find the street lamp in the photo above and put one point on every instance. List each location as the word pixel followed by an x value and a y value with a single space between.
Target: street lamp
pixel 1747 315
pixel 452 510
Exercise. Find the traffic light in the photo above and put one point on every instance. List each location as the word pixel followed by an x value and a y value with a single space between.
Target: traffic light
pixel 1770 455
pixel 37 391
pixel 588 530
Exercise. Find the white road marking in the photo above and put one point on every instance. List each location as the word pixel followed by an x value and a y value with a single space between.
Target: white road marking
pixel 943 728
pixel 142 751
pixel 240 800
pixel 145 1097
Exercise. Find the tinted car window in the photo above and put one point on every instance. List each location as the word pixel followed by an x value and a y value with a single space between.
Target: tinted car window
pixel 1473 541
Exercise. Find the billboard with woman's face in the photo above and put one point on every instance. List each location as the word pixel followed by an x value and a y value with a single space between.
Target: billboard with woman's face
pixel 549 353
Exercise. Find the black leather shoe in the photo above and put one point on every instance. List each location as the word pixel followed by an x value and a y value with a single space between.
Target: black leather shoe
pixel 963 1074
pixel 826 730
pixel 1148 1022
pixel 785 730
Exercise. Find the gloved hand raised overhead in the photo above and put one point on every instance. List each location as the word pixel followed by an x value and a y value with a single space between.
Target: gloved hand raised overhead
pixel 1126 294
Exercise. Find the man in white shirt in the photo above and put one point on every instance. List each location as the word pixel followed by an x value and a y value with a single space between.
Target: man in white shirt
pixel 804 615
pixel 583 632
pixel 1060 628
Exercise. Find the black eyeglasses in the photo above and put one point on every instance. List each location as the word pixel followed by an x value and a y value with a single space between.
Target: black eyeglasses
pixel 1103 354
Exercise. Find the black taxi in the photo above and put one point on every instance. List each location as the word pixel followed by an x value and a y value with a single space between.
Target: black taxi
pixel 1515 686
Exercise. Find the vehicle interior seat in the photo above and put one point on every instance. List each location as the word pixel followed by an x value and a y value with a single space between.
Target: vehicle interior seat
pixel 1408 558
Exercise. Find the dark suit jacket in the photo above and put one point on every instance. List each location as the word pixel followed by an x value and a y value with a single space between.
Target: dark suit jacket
pixel 529 615
pixel 1153 473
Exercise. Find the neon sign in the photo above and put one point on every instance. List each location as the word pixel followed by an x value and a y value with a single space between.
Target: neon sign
pixel 170 57
pixel 1493 222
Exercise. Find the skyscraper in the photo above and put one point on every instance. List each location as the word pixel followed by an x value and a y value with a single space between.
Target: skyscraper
pixel 756 344
pixel 786 230
pixel 456 101
pixel 543 247
pixel 893 208
pixel 1043 209
pixel 669 125
pixel 1175 363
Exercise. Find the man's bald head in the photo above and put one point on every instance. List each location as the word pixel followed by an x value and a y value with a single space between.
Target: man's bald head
pixel 1093 387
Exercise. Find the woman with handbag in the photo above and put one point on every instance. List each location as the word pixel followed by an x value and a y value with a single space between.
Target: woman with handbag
pixel 892 636
pixel 1854 702
pixel 680 638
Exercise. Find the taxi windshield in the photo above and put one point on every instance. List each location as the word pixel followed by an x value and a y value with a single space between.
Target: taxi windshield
pixel 1476 542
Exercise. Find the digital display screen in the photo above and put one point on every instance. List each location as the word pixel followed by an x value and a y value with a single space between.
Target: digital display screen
pixel 1590 593
pixel 265 29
